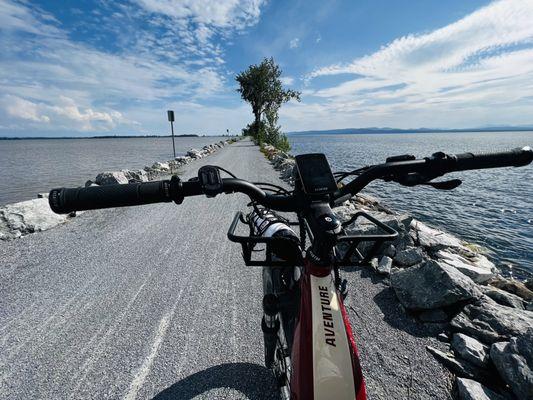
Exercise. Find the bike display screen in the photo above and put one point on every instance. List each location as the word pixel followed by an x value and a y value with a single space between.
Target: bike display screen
pixel 315 174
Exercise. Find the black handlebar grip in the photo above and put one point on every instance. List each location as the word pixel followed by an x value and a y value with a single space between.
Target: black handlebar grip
pixel 64 200
pixel 513 158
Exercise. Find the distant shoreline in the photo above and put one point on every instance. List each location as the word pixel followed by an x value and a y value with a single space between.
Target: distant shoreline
pixel 369 131
pixel 101 137
pixel 346 131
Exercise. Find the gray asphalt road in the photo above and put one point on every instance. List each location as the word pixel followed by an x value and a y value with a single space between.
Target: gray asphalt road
pixel 153 301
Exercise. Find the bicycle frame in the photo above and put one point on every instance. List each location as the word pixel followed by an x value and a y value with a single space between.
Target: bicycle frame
pixel 325 360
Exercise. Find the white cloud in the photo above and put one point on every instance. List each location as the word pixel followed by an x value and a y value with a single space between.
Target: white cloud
pixel 63 114
pixel 16 17
pixel 287 80
pixel 23 109
pixel 165 51
pixel 222 13
pixel 294 43
pixel 474 71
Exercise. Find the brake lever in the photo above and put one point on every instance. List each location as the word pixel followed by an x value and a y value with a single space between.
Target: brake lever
pixel 444 185
pixel 416 179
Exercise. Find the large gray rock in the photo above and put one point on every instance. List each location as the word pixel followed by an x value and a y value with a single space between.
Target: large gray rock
pixel 183 159
pixel 287 168
pixel 277 160
pixel 502 297
pixel 161 166
pixel 479 260
pixel 345 211
pixel 432 238
pixel 136 175
pixel 514 362
pixel 408 257
pixel 470 349
pixel 194 153
pixel 398 222
pixel 476 273
pixel 385 265
pixel 390 251
pixel 30 216
pixel 458 366
pixel 473 390
pixel 403 241
pixel 432 285
pixel 512 286
pixel 491 322
pixel 111 178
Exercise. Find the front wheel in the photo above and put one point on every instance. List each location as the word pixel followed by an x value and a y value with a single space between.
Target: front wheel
pixel 271 289
pixel 280 287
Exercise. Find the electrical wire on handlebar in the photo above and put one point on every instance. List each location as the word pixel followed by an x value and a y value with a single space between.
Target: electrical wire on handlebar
pixel 341 175
pixel 270 187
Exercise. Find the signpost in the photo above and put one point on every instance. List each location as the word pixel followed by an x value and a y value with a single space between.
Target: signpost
pixel 170 115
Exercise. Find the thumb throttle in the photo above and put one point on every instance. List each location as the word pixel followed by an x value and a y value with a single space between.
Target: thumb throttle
pixel 210 180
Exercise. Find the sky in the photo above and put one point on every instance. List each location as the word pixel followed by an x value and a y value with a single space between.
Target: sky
pixel 105 67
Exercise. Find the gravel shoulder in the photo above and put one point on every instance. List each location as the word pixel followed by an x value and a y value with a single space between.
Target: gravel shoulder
pixel 154 301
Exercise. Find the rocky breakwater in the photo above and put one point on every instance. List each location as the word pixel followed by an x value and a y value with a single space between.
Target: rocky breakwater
pixel 486 319
pixel 23 218
pixel 158 169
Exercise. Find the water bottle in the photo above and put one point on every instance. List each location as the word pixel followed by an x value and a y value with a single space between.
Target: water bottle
pixel 267 224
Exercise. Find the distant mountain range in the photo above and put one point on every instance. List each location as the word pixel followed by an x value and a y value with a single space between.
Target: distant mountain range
pixel 371 130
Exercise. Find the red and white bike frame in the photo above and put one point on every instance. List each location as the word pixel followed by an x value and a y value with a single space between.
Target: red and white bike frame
pixel 325 360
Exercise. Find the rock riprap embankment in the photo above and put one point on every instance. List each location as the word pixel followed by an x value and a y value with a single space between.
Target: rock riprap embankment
pixel 440 279
pixel 20 219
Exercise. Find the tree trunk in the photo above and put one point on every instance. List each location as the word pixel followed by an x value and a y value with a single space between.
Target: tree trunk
pixel 257 121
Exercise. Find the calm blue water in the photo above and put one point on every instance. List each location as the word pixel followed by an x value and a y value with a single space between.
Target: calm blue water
pixel 32 166
pixel 493 208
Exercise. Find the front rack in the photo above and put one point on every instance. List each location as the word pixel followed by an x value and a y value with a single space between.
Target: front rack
pixel 352 256
pixel 249 242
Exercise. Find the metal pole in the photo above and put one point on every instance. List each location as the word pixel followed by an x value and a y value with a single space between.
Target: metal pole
pixel 173 145
pixel 170 115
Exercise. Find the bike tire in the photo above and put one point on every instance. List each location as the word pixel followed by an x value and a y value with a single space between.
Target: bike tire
pixel 271 285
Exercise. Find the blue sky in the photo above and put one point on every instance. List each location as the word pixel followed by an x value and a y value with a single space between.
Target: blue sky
pixel 109 67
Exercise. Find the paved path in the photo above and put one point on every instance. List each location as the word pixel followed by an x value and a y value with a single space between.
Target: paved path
pixel 153 301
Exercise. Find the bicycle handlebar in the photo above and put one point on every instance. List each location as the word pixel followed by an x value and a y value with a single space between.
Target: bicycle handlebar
pixel 436 165
pixel 513 158
pixel 65 200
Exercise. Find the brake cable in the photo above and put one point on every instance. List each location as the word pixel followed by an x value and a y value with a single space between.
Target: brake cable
pixel 340 175
pixel 225 170
pixel 271 186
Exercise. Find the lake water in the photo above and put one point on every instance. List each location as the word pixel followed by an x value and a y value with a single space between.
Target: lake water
pixel 32 166
pixel 493 208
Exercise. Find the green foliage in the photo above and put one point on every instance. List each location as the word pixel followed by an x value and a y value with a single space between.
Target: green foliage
pixel 260 86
